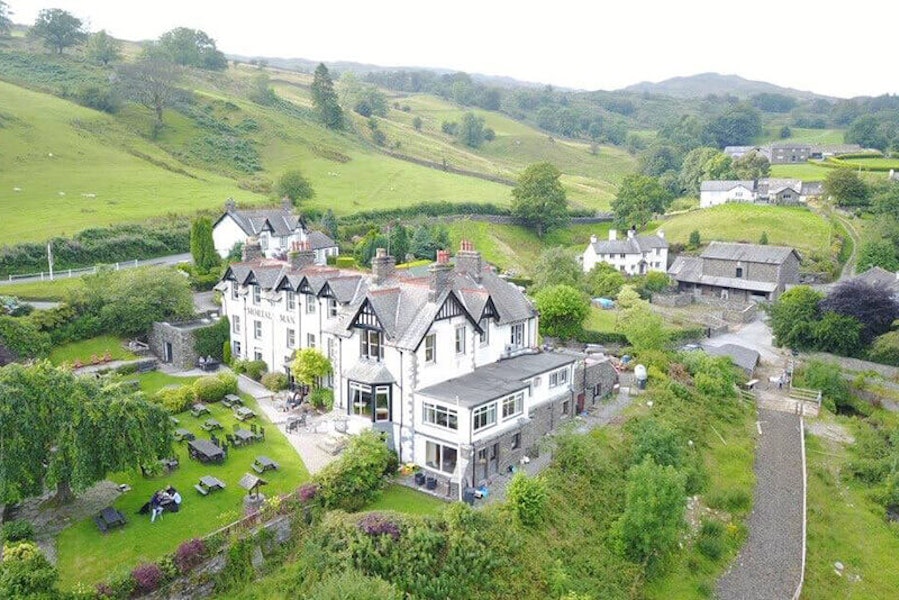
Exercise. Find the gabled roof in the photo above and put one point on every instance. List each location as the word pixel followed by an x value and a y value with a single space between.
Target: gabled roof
pixel 319 240
pixel 773 255
pixel 688 269
pixel 637 244
pixel 743 357
pixel 880 277
pixel 726 185
pixel 279 221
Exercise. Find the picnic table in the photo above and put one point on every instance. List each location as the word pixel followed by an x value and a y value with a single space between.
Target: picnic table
pixel 169 464
pixel 232 400
pixel 245 436
pixel 199 409
pixel 109 518
pixel 242 413
pixel 211 425
pixel 264 463
pixel 182 434
pixel 205 451
pixel 208 484
pixel 295 422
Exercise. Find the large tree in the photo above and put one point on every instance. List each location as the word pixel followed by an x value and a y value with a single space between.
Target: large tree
pixel 868 132
pixel 102 48
pixel 5 20
pixel 562 310
pixel 704 164
pixel 192 48
pixel 873 306
pixel 471 130
pixel 324 98
pixel 539 200
pixel 309 366
pixel 151 81
pixel 793 317
pixel 66 431
pixel 639 198
pixel 556 265
pixel 292 184
pixel 846 187
pixel 752 165
pixel 202 246
pixel 735 127
pixel 58 29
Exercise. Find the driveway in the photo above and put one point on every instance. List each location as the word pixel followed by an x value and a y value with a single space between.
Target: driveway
pixel 769 565
pixel 755 335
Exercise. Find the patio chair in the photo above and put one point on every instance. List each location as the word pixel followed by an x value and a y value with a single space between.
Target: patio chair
pixel 261 434
pixel 253 427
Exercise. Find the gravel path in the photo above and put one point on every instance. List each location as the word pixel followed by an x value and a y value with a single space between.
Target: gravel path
pixel 770 564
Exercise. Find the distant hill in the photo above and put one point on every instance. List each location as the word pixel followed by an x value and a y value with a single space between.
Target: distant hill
pixel 703 84
pixel 304 65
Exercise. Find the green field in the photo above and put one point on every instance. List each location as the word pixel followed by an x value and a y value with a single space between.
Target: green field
pixel 56 290
pixel 84 351
pixel 86 555
pixel 814 136
pixel 809 171
pixel 880 164
pixel 785 226
pixel 406 500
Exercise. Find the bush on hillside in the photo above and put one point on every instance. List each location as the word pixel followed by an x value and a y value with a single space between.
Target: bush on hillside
pixel 20 337
pixel 356 478
pixel 16 531
pixel 322 399
pixel 26 573
pixel 212 388
pixel 175 399
pixel 274 381
pixel 251 368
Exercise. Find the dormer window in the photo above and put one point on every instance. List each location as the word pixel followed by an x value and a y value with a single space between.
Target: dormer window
pixel 291 300
pixel 332 308
pixel 517 337
pixel 257 294
pixel 311 301
pixel 234 290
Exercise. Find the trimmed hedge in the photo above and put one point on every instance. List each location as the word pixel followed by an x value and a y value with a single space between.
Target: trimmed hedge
pixel 587 336
pixel 20 337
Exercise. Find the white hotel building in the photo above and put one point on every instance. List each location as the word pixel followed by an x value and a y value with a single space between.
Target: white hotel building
pixel 446 364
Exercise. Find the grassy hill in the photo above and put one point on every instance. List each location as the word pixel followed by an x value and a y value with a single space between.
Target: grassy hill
pixel 66 167
pixel 703 84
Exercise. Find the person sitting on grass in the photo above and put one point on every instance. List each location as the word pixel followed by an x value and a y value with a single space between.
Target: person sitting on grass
pixel 174 504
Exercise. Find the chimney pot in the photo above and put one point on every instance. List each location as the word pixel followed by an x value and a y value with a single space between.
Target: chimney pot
pixel 613 235
pixel 443 257
pixel 593 239
pixel 661 234
pixel 251 249
pixel 383 266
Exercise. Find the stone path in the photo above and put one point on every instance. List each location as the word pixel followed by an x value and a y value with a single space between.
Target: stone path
pixel 769 566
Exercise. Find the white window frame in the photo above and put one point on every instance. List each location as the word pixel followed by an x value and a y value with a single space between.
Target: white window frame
pixel 332 308
pixel 557 378
pixel 431 346
pixel 257 329
pixel 311 301
pixel 512 405
pixel 257 354
pixel 488 413
pixel 310 340
pixel 235 323
pixel 484 336
pixel 257 294
pixel 291 300
pixel 460 339
pixel 234 291
pixel 371 344
pixel 438 450
pixel 236 349
pixel 440 416
pixel 517 331
pixel 291 338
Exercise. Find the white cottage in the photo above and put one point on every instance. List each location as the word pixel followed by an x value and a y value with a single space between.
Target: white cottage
pixel 276 229
pixel 634 255
pixel 713 193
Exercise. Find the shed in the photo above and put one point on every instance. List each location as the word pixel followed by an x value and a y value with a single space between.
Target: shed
pixel 743 357
pixel 252 483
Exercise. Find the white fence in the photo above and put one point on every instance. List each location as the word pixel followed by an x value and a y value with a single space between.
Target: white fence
pixel 66 273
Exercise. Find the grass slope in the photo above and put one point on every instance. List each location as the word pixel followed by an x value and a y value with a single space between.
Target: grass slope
pixel 83 351
pixel 785 226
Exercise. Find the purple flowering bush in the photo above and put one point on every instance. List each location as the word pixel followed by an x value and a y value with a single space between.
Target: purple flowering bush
pixel 190 554
pixel 377 524
pixel 147 576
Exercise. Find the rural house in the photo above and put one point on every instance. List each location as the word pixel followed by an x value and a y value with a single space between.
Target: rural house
pixel 769 190
pixel 737 272
pixel 634 255
pixel 446 364
pixel 277 230
pixel 780 153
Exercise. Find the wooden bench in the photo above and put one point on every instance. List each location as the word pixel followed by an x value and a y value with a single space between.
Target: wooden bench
pixel 203 491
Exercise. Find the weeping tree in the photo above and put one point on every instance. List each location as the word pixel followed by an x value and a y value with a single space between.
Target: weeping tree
pixel 61 430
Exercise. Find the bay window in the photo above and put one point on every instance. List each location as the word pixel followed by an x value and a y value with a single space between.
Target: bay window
pixel 441 457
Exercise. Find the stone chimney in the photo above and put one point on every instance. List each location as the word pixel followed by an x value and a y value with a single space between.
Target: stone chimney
pixel 301 255
pixel 593 239
pixel 383 266
pixel 469 260
pixel 230 204
pixel 613 235
pixel 441 275
pixel 661 234
pixel 251 249
pixel 632 231
pixel 287 204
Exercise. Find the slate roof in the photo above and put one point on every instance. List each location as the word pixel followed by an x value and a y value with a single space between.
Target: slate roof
pixel 253 222
pixel 369 372
pixel 772 255
pixel 631 245
pixel 743 357
pixel 496 379
pixel 776 186
pixel 403 304
pixel 319 240
pixel 725 185
pixel 688 269
pixel 880 277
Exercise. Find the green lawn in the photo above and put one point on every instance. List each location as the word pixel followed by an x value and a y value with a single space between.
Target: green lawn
pixel 600 319
pixel 87 556
pixel 85 350
pixel 809 171
pixel 881 164
pixel 152 382
pixel 406 500
pixel 814 136
pixel 785 226
pixel 56 290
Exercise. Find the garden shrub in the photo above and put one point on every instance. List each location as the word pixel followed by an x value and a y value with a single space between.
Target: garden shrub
pixel 147 577
pixel 175 399
pixel 356 478
pixel 16 531
pixel 730 499
pixel 322 399
pixel 711 539
pixel 275 381
pixel 251 368
pixel 238 566
pixel 26 573
pixel 190 554
pixel 528 499
pixel 353 585
pixel 211 388
pixel 227 358
pixel 23 339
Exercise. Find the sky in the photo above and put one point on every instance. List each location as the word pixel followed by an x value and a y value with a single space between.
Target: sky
pixel 581 44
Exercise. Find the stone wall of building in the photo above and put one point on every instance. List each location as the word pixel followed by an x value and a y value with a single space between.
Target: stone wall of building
pixel 184 355
pixel 678 299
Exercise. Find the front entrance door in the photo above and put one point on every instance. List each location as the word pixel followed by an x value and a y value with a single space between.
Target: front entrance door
pixel 167 352
pixel 580 403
